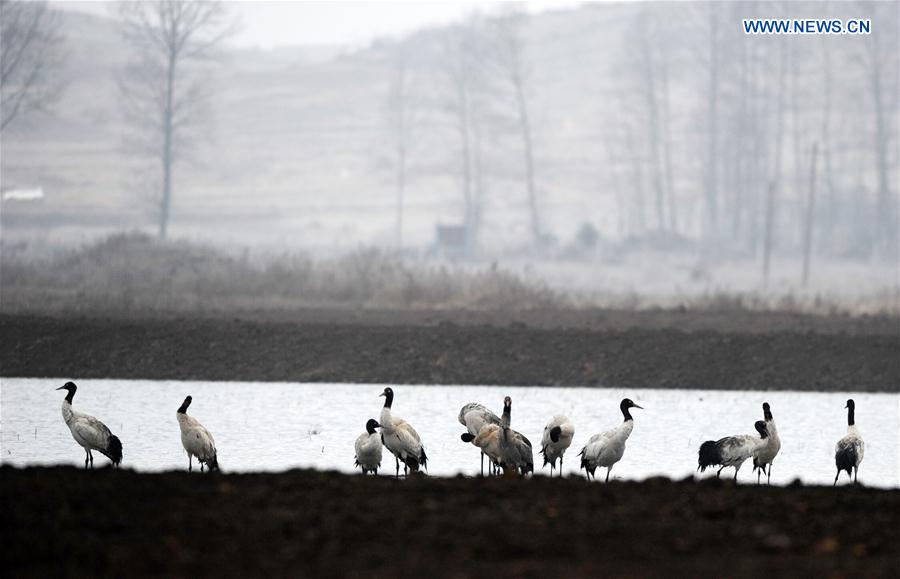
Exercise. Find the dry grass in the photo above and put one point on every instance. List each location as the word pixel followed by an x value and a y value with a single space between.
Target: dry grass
pixel 135 272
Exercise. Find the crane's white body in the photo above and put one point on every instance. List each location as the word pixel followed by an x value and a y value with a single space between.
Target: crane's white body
pixel 368 452
pixel 87 431
pixel 554 451
pixel 607 448
pixel 196 440
pixel 399 437
pixel 764 455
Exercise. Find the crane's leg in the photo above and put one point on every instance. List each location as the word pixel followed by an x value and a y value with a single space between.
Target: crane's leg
pixel 769 475
pixel 609 468
pixel 560 466
pixel 201 465
pixel 190 463
pixel 482 464
pixel 397 464
pixel 855 472
pixel 91 456
pixel 836 477
pixel 85 458
pixel 718 472
pixel 758 474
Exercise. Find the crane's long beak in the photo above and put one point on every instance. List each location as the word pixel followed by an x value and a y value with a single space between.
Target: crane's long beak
pixel 380 395
pixel 377 425
pixel 60 388
pixel 636 406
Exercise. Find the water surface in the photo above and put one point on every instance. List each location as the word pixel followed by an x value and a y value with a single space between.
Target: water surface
pixel 266 426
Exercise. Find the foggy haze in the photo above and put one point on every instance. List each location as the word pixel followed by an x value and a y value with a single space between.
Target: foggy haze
pixel 636 150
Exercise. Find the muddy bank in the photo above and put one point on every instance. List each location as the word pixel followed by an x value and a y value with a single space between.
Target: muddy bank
pixel 303 523
pixel 662 350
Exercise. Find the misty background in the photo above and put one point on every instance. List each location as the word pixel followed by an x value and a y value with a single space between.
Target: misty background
pixel 614 154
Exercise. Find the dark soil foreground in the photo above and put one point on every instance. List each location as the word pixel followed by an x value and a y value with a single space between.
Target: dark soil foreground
pixel 303 523
pixel 662 349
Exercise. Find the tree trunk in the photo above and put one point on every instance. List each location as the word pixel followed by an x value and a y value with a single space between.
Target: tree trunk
pixel 712 211
pixel 466 152
pixel 810 217
pixel 613 164
pixel 667 147
pixel 653 126
pixel 771 197
pixel 886 238
pixel 525 124
pixel 741 150
pixel 830 201
pixel 167 158
pixel 796 123
pixel 401 187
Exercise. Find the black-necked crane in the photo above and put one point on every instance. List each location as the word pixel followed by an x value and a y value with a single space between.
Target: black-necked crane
pixel 368 448
pixel 558 435
pixel 196 439
pixel 399 437
pixel 731 450
pixel 514 449
pixel 475 417
pixel 607 448
pixel 89 432
pixel 766 454
pixel 848 452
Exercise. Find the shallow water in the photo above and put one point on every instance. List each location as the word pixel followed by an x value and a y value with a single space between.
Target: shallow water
pixel 277 426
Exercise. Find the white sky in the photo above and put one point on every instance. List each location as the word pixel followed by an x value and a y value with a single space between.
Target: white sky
pixel 270 23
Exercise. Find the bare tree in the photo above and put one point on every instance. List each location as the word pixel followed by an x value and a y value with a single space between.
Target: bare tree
pixel 774 179
pixel 881 58
pixel 163 89
pixel 710 185
pixel 401 111
pixel 666 142
pixel 464 73
pixel 30 58
pixel 827 97
pixel 507 35
pixel 809 221
pixel 651 94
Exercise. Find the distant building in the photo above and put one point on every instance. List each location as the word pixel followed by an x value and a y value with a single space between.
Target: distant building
pixel 35 194
pixel 450 240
